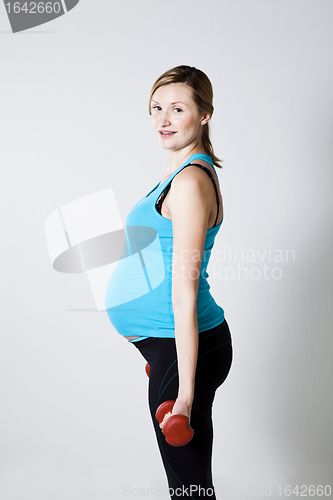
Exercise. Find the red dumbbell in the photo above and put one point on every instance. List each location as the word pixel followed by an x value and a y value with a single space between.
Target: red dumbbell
pixel 177 429
pixel 148 369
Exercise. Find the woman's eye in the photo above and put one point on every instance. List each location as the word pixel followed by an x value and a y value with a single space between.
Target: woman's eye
pixel 157 108
pixel 178 110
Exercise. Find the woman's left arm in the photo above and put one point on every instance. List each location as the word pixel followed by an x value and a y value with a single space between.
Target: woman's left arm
pixel 189 211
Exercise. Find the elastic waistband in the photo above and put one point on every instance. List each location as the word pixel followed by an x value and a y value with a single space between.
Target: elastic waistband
pixel 202 335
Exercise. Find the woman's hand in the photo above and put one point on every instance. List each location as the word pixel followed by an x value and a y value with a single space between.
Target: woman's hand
pixel 181 407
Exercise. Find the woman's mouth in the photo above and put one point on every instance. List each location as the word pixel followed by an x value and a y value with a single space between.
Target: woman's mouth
pixel 166 134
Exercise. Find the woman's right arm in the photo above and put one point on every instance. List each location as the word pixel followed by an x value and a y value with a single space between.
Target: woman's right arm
pixel 189 210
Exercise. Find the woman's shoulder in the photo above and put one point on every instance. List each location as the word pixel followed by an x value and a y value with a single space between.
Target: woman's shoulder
pixel 193 171
pixel 193 183
pixel 190 188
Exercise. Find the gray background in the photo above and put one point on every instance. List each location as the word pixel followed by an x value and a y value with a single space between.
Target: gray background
pixel 74 97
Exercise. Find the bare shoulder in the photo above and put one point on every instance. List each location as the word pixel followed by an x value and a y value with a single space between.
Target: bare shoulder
pixel 189 185
pixel 199 173
pixel 189 197
pixel 192 177
pixel 193 189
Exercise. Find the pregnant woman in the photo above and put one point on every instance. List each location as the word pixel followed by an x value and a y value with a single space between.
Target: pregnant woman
pixel 173 320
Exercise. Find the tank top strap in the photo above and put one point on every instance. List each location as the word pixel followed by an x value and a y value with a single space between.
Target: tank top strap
pixel 197 156
pixel 200 156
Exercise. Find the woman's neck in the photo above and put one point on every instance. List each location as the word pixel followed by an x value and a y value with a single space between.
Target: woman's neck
pixel 176 158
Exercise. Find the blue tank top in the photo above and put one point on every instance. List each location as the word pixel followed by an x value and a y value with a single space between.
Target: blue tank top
pixel 138 296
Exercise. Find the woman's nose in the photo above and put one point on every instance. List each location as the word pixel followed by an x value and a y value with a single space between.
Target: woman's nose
pixel 164 119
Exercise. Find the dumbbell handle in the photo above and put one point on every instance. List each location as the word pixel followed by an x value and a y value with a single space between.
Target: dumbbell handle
pixel 177 429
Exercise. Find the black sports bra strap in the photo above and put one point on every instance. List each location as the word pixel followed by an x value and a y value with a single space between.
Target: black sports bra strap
pixel 162 196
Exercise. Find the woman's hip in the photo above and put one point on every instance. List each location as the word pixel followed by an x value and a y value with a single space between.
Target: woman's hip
pixel 215 347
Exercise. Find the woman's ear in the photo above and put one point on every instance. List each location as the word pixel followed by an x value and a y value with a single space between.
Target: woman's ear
pixel 205 119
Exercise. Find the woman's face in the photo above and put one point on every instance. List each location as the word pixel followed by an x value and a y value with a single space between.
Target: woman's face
pixel 176 118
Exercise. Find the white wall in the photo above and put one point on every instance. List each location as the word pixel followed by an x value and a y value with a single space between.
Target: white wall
pixel 74 120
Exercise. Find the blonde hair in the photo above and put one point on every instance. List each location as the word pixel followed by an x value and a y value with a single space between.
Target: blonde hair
pixel 202 93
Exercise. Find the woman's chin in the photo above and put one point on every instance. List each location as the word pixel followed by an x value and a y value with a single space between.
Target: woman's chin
pixel 166 146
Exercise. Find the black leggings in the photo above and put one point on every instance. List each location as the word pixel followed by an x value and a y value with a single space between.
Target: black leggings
pixel 188 468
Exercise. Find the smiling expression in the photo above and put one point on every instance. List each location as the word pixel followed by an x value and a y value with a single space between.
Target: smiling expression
pixel 176 117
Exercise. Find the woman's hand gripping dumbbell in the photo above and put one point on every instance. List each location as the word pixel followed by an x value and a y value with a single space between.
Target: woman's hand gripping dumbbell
pixel 176 428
